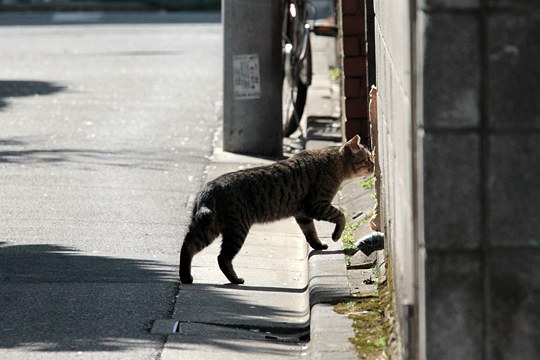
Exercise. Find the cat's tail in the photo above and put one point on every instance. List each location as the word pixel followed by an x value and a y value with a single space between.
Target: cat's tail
pixel 204 211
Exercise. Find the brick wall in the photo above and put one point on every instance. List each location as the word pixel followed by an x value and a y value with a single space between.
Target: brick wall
pixel 354 85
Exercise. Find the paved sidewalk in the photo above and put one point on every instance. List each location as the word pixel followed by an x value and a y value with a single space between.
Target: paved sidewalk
pixel 268 316
pixel 284 300
pixel 284 309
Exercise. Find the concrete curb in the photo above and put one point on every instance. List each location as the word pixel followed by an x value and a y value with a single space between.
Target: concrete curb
pixel 328 281
pixel 328 284
pixel 327 276
pixel 330 333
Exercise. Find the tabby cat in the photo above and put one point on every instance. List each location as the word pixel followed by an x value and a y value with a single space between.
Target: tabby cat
pixel 302 186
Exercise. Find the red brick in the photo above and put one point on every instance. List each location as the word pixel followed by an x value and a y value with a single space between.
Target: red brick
pixel 357 126
pixel 355 87
pixel 354 66
pixel 352 87
pixel 356 108
pixel 352 45
pixel 364 131
pixel 353 25
pixel 350 6
pixel 352 127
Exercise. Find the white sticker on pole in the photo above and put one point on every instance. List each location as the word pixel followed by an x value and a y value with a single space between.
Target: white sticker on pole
pixel 246 77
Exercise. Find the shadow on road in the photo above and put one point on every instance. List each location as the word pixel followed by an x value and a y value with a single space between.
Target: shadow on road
pixel 109 18
pixel 54 263
pixel 34 151
pixel 55 298
pixel 20 88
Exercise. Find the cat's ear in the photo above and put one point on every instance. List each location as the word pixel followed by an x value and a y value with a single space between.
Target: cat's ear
pixel 355 142
pixel 352 145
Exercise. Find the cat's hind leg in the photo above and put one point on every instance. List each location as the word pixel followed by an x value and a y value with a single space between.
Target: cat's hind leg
pixel 233 239
pixel 196 239
pixel 308 228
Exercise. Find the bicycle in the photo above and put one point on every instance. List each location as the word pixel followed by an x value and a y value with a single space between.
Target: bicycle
pixel 298 24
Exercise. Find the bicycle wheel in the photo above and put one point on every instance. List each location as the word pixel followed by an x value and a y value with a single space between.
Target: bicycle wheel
pixel 295 92
pixel 293 108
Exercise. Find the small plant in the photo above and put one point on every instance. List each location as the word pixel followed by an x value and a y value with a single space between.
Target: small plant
pixel 335 74
pixel 368 216
pixel 375 270
pixel 368 184
pixel 349 238
pixel 371 337
pixel 373 316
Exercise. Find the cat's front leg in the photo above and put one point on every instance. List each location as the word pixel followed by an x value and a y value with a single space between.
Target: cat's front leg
pixel 325 211
pixel 308 228
pixel 340 227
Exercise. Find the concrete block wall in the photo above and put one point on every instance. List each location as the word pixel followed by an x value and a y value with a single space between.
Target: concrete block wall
pixel 481 178
pixel 393 71
pixel 459 135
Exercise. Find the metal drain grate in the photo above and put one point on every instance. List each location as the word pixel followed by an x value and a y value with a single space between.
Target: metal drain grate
pixel 189 328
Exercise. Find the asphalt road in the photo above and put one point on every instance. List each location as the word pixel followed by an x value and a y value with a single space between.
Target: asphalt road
pixel 105 133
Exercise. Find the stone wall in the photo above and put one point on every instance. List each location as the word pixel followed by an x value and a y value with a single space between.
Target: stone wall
pixel 392 43
pixel 481 178
pixel 460 150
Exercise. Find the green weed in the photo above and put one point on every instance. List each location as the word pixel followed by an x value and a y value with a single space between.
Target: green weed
pixel 349 237
pixel 371 337
pixel 335 74
pixel 368 184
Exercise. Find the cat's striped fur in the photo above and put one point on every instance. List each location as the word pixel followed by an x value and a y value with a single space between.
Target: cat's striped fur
pixel 302 186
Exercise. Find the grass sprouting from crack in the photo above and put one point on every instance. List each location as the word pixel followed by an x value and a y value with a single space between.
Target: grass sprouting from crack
pixel 371 336
pixel 349 237
pixel 368 184
pixel 373 317
pixel 335 74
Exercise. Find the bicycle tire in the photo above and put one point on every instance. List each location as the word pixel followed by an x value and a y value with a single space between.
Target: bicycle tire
pixel 302 80
pixel 291 123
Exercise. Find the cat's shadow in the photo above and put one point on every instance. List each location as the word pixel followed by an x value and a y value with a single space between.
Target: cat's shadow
pixel 244 287
pixel 324 252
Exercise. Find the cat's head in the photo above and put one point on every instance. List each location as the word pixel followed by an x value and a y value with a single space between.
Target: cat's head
pixel 357 159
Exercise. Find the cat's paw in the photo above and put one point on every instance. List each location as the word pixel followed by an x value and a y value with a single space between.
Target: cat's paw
pixel 238 281
pixel 186 279
pixel 321 246
pixel 336 235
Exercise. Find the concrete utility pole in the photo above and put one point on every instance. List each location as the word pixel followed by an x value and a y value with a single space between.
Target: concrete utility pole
pixel 252 77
